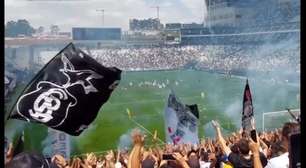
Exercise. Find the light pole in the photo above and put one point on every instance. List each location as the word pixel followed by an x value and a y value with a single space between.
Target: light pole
pixel 157 11
pixel 101 10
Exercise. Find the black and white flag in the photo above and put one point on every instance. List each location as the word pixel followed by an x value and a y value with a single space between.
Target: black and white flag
pixel 247 111
pixel 68 92
pixel 181 122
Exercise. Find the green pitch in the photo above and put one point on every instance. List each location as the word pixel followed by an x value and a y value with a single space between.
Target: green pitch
pixel 218 97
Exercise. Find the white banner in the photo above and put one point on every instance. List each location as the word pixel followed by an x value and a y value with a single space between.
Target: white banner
pixel 181 124
pixel 60 143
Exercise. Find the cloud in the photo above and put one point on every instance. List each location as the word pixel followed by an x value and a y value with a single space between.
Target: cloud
pixel 117 13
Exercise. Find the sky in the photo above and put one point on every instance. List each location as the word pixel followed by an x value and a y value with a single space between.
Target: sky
pixel 83 13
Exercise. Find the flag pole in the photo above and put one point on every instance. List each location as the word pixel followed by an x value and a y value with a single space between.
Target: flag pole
pixel 292 115
pixel 130 118
pixel 146 130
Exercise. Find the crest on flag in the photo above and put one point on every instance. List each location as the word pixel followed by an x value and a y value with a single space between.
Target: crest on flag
pixel 72 86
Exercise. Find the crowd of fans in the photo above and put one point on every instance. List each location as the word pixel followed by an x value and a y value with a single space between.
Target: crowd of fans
pixel 222 58
pixel 225 59
pixel 238 150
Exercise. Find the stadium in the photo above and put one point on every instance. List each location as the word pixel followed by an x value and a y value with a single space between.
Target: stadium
pixel 205 64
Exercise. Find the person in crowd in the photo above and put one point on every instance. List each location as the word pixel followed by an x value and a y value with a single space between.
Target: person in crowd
pixel 282 161
pixel 236 150
pixel 243 158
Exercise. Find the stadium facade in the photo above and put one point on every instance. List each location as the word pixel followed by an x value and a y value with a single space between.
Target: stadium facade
pixel 246 22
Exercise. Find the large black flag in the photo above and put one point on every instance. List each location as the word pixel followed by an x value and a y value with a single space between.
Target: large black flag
pixel 68 92
pixel 247 111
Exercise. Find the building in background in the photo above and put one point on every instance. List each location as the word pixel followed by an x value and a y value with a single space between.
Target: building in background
pixel 220 13
pixel 100 34
pixel 145 24
pixel 96 37
pixel 246 13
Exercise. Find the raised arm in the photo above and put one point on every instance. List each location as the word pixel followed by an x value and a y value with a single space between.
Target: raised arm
pixel 181 160
pixel 254 147
pixel 220 138
pixel 135 155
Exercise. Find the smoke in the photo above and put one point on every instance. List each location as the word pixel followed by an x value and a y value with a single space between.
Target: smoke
pixel 125 140
pixel 13 128
pixel 234 110
pixel 281 57
pixel 209 130
pixel 47 146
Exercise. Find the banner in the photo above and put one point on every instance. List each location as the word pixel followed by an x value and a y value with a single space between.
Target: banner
pixel 60 143
pixel 247 111
pixel 181 122
pixel 68 92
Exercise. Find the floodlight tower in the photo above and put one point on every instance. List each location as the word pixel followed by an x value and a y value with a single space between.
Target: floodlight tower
pixel 157 11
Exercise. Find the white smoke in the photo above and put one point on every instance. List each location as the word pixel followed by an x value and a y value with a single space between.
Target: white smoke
pixel 47 146
pixel 209 130
pixel 13 128
pixel 125 140
pixel 234 110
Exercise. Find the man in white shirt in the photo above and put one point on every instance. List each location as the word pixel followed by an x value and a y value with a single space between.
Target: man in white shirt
pixel 282 161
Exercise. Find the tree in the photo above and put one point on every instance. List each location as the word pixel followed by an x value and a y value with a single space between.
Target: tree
pixel 40 30
pixel 21 27
pixel 54 29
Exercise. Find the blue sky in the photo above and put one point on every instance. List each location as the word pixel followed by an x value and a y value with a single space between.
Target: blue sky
pixel 117 12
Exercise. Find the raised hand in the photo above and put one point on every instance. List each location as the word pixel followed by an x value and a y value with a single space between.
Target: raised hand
pixel 76 163
pixel 59 160
pixel 91 159
pixel 254 146
pixel 137 137
pixel 215 124
pixel 9 154
pixel 181 159
pixel 178 157
pixel 110 156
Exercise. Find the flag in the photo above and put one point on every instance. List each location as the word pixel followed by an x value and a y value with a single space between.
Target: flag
pixel 67 93
pixel 181 122
pixel 247 111
pixel 129 113
pixel 155 135
pixel 60 143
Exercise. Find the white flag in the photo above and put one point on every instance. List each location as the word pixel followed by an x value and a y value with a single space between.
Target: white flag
pixel 180 121
pixel 60 143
